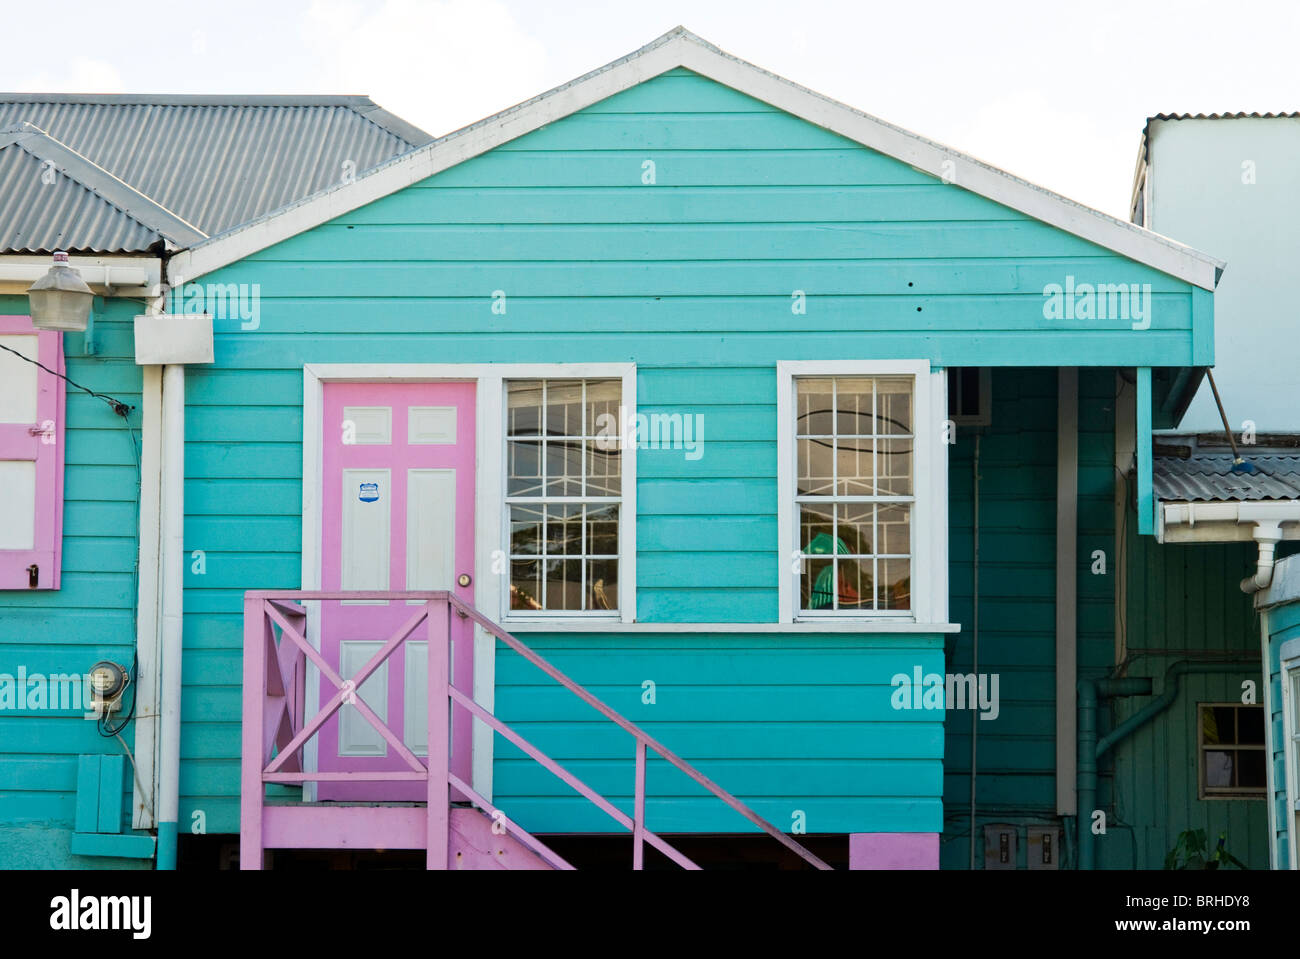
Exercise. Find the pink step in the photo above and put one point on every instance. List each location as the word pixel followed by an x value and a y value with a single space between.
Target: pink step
pixel 474 845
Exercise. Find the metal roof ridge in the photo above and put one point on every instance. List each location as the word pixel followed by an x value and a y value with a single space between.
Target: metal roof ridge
pixel 113 190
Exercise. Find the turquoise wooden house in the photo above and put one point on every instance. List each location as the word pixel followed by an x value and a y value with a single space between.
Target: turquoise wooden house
pixel 632 476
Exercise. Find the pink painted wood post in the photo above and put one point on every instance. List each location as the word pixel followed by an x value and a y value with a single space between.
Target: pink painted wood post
pixel 439 808
pixel 251 789
pixel 894 850
pixel 638 809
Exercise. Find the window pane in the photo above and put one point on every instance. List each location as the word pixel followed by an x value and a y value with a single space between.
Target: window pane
pixel 815 467
pixel 525 530
pixel 564 529
pixel 854 527
pixel 523 408
pixel 602 584
pixel 564 407
pixel 524 469
pixel 1218 768
pixel 817 583
pixel 894 405
pixel 817 530
pixel 814 407
pixel 603 400
pixel 563 584
pixel 894 467
pixel 1250 725
pixel 602 530
pixel 1250 768
pixel 855 584
pixel 895 583
pixel 853 397
pixel 853 466
pixel 894 528
pixel 564 467
pixel 604 470
pixel 1217 726
pixel 526 584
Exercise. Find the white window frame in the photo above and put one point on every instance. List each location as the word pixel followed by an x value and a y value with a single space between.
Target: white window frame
pixel 929 527
pixel 1289 676
pixel 626 612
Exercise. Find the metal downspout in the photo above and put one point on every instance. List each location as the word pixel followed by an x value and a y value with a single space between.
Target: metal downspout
pixel 1091 750
pixel 172 561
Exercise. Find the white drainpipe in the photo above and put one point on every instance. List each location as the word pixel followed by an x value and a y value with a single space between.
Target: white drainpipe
pixel 172 561
pixel 1268 517
pixel 1267 534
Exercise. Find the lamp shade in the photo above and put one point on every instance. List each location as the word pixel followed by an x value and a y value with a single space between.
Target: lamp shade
pixel 60 300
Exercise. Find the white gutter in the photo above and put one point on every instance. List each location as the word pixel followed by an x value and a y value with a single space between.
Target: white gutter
pixel 106 275
pixel 1267 516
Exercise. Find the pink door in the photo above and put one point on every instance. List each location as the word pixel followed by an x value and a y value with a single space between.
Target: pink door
pixel 398 514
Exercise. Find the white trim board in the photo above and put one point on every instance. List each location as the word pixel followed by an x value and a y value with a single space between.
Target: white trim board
pixel 929 516
pixel 490 527
pixel 681 48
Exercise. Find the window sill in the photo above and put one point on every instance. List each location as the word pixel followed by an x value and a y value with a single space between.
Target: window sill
pixel 803 626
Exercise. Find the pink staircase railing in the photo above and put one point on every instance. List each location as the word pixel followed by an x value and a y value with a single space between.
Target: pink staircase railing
pixel 275 730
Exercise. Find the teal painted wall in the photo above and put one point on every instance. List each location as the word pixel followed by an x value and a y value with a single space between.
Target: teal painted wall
pixel 89 618
pixel 1184 604
pixel 787 723
pixel 692 279
pixel 1016 753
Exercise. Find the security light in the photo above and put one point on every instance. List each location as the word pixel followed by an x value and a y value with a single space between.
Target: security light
pixel 60 300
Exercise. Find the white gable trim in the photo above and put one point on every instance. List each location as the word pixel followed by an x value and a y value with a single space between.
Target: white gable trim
pixel 681 48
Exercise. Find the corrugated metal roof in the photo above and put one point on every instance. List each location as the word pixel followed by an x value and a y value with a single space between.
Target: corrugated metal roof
pixel 1221 116
pixel 42 208
pixel 1208 477
pixel 210 162
pixel 1144 143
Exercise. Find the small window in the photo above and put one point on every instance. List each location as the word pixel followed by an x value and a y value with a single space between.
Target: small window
pixel 1232 760
pixel 970 395
pixel 31 455
pixel 855 493
pixel 564 482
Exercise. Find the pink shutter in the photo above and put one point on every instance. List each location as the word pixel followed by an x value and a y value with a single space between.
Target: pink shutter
pixel 31 457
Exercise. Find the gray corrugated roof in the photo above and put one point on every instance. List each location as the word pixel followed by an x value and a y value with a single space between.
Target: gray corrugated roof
pixel 207 162
pixel 1206 477
pixel 42 207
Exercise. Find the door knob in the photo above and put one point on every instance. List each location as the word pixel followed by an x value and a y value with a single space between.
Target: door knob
pixel 464 579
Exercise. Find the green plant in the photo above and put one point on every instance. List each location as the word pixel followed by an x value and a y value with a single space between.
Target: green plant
pixel 1192 851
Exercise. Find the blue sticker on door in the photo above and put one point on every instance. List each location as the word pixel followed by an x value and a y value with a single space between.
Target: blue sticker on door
pixel 369 493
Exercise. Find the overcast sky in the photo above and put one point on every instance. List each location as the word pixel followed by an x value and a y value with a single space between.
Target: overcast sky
pixel 1056 93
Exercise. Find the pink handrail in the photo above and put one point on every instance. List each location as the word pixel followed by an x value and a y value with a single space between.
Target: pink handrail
pixel 274 605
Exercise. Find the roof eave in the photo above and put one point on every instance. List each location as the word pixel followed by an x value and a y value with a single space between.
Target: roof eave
pixel 681 48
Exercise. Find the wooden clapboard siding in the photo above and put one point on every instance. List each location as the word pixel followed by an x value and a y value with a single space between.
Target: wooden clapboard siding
pixel 89 618
pixel 1184 597
pixel 787 724
pixel 692 279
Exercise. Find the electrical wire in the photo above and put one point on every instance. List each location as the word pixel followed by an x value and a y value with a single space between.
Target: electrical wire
pixel 117 406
